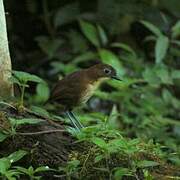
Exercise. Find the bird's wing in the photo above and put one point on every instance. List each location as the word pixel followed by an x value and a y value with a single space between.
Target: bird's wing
pixel 67 88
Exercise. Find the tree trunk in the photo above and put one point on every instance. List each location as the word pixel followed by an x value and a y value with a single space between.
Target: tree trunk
pixel 6 88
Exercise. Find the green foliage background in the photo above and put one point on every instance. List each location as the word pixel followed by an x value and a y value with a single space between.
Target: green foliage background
pixel 140 38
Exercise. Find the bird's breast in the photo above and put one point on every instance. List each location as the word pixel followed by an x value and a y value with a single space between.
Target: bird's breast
pixel 89 90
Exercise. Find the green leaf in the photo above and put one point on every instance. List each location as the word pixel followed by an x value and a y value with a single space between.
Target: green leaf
pixel 151 76
pixel 16 156
pixel 3 136
pixel 120 172
pixel 78 42
pixel 152 28
pixel 66 14
pixel 18 122
pixel 90 32
pixel 124 47
pixel 99 142
pixel 102 35
pixel 42 168
pixel 22 169
pixel 112 119
pixel 163 73
pixel 161 48
pixel 109 57
pixel 175 74
pixel 89 55
pixel 5 164
pixel 176 30
pixel 24 77
pixel 68 68
pixel 98 158
pixel 40 111
pixel 43 92
pixel 73 164
pixel 167 96
pixel 178 44
pixel 121 143
pixel 146 163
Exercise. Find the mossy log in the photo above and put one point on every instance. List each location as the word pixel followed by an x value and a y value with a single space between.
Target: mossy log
pixel 48 143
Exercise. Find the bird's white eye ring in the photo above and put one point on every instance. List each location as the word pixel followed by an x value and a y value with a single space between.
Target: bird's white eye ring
pixel 107 71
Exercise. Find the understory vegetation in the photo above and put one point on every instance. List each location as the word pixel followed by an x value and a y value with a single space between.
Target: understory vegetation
pixel 133 126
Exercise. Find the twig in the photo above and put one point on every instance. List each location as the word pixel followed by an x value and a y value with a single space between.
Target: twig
pixel 41 132
pixel 7 104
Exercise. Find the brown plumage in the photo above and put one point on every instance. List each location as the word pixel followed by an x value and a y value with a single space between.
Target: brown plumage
pixel 76 88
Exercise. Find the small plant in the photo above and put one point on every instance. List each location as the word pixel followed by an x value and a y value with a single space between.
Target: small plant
pixel 10 172
pixel 13 124
pixel 71 169
pixel 21 79
pixel 6 169
pixel 31 172
pixel 110 154
pixel 163 42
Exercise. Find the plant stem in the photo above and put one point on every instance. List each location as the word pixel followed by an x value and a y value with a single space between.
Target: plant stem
pixel 22 95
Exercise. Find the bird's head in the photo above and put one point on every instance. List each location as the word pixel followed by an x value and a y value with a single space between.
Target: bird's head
pixel 103 71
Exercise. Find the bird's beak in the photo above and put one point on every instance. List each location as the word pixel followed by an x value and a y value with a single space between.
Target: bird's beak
pixel 116 78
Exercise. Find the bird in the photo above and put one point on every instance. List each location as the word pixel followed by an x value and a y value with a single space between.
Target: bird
pixel 76 88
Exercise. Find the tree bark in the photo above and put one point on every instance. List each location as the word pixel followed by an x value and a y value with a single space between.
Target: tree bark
pixel 6 88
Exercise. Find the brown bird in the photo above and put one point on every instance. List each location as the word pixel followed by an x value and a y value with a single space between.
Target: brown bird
pixel 76 88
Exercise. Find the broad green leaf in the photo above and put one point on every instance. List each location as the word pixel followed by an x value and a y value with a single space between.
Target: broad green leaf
pixel 5 164
pixel 16 156
pixel 146 163
pixel 152 28
pixel 102 35
pixel 90 32
pixel 99 142
pixel 43 92
pixel 161 48
pixel 109 57
pixel 66 14
pixel 24 77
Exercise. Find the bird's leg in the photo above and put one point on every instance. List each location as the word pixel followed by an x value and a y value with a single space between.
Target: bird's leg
pixel 72 120
pixel 77 121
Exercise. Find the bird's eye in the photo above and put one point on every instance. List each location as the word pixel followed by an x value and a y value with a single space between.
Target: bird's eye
pixel 107 71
